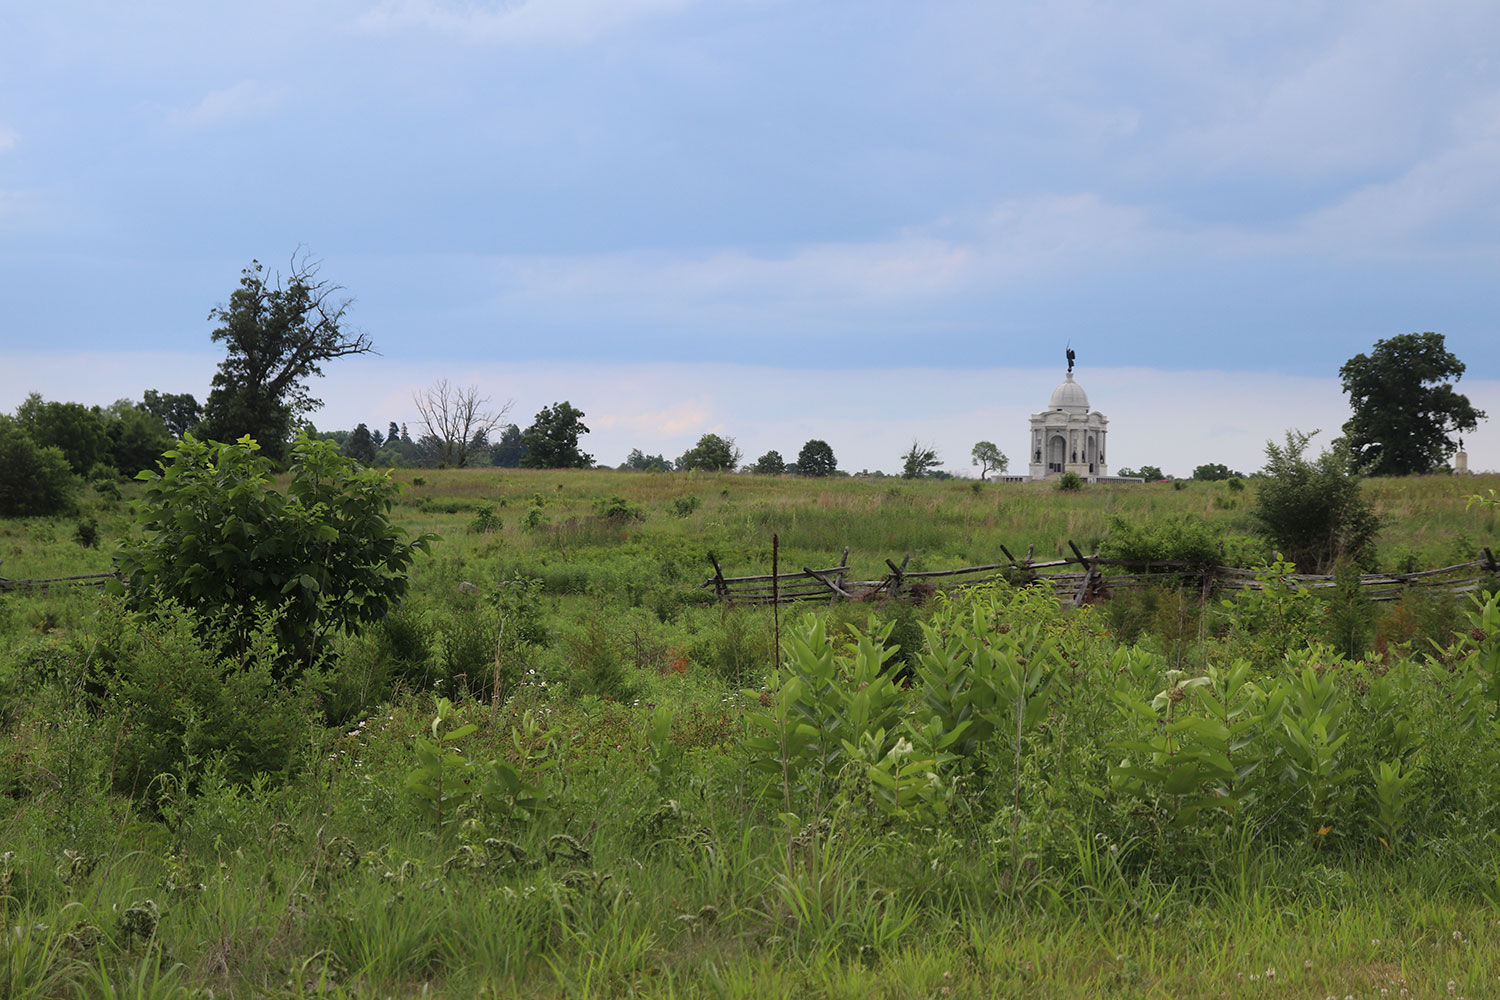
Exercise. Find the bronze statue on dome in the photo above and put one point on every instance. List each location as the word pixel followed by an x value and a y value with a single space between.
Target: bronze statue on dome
pixel 1071 357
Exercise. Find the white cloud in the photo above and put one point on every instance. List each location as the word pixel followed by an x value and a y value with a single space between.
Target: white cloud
pixel 9 138
pixel 246 99
pixel 515 21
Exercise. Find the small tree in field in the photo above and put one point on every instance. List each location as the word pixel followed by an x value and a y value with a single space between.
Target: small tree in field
pixel 769 464
pixel 989 459
pixel 220 539
pixel 1314 512
pixel 919 461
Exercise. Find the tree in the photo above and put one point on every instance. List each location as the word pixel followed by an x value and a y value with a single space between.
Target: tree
pixel 1214 472
pixel 458 420
pixel 277 336
pixel 551 441
pixel 1151 473
pixel 220 539
pixel 919 461
pixel 361 445
pixel 1314 512
pixel 711 454
pixel 37 481
pixel 508 452
pixel 137 438
pixel 78 430
pixel 769 464
pixel 989 458
pixel 178 412
pixel 1404 409
pixel 639 461
pixel 816 459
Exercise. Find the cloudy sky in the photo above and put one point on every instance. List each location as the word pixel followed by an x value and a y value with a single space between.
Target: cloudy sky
pixel 868 222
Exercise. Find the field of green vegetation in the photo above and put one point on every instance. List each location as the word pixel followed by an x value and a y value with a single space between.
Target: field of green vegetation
pixel 560 769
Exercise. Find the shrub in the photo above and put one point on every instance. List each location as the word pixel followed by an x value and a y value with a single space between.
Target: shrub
pixel 37 481
pixel 222 541
pixel 486 521
pixel 86 532
pixel 684 506
pixel 1314 511
pixel 617 508
pixel 1070 482
pixel 183 703
pixel 1184 538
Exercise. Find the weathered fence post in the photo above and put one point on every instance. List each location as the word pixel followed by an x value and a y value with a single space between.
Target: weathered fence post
pixel 721 589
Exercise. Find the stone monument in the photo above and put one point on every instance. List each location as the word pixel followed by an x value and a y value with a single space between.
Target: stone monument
pixel 1068 436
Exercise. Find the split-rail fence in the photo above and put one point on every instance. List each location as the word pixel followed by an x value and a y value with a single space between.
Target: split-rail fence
pixel 1077 579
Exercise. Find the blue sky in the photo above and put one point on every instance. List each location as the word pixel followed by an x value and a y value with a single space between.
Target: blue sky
pixel 668 211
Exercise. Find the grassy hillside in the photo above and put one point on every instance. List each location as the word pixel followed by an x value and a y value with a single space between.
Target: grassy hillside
pixel 989 796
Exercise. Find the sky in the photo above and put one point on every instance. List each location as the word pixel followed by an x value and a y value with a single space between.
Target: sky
pixel 871 223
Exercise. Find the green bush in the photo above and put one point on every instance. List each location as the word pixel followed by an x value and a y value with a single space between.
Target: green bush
pixel 1185 538
pixel 685 505
pixel 1070 482
pixel 182 703
pixel 37 481
pixel 1314 510
pixel 221 540
pixel 617 508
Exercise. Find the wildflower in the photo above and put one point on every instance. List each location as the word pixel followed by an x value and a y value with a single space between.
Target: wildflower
pixel 1271 972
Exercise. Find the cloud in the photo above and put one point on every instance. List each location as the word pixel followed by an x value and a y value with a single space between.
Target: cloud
pixel 246 99
pixel 515 21
pixel 9 138
pixel 1015 243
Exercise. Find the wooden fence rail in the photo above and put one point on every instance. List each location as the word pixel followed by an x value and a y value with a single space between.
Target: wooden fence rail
pixel 56 582
pixel 1094 578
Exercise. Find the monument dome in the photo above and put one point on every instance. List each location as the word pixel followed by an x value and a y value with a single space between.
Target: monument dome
pixel 1069 436
pixel 1069 397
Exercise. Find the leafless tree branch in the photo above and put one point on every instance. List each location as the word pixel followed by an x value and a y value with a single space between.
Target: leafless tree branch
pixel 455 417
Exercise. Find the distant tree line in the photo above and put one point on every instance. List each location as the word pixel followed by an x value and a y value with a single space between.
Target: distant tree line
pixel 278 332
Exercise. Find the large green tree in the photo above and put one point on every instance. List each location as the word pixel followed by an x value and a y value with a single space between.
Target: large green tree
pixel 770 464
pixel 179 412
pixel 79 431
pixel 278 333
pixel 816 459
pixel 36 480
pixel 712 453
pixel 1405 410
pixel 551 442
pixel 137 438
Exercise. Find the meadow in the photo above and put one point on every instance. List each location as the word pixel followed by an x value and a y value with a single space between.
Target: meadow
pixel 561 769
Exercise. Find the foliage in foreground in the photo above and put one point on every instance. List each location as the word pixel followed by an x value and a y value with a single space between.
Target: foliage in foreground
pixel 221 540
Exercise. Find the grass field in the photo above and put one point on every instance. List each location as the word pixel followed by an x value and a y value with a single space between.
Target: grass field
pixel 993 796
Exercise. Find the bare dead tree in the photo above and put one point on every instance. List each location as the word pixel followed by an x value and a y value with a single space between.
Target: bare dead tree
pixel 457 418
